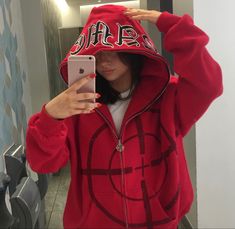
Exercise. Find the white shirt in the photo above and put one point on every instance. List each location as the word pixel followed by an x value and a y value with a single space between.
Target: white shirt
pixel 118 110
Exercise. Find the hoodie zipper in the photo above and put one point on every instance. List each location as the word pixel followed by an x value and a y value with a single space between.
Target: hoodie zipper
pixel 120 146
pixel 120 149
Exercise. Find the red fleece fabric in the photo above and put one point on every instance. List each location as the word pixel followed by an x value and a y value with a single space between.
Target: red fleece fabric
pixel 147 184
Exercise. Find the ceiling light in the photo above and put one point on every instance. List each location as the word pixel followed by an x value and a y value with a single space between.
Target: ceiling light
pixel 62 5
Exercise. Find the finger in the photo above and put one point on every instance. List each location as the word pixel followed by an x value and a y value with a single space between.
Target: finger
pixel 77 112
pixel 85 96
pixel 140 17
pixel 86 106
pixel 134 12
pixel 79 83
pixel 87 111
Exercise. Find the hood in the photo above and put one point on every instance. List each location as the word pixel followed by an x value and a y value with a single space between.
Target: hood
pixel 108 29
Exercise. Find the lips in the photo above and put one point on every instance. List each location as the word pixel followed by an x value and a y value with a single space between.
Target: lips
pixel 108 71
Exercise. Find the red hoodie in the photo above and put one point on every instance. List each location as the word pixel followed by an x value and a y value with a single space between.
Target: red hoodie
pixel 138 178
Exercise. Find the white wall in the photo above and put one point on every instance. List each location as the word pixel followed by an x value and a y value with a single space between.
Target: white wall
pixel 181 7
pixel 215 132
pixel 71 17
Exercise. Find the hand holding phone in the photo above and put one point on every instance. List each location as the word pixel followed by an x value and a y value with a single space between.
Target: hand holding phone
pixel 80 97
pixel 69 102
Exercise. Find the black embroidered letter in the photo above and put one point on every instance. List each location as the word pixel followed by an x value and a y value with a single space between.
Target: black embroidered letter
pixel 79 43
pixel 127 35
pixel 148 44
pixel 97 30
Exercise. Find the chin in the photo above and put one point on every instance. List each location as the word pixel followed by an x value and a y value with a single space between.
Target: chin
pixel 111 78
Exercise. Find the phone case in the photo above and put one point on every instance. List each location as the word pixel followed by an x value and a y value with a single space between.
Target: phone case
pixel 80 66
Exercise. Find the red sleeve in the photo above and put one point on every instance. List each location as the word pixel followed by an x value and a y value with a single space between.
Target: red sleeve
pixel 200 77
pixel 46 148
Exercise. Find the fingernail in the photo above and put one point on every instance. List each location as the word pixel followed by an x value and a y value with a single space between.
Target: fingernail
pixel 92 111
pixel 92 76
pixel 98 95
pixel 98 104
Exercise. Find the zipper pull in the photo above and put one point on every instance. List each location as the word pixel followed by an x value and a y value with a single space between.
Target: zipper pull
pixel 120 146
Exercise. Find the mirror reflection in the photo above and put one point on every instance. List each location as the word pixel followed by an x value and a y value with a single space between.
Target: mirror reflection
pixel 108 116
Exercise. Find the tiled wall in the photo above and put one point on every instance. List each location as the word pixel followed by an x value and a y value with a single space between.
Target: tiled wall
pixel 15 101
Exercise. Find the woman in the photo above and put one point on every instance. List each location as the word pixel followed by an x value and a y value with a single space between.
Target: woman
pixel 128 167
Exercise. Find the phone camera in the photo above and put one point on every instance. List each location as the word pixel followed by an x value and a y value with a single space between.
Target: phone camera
pixel 90 58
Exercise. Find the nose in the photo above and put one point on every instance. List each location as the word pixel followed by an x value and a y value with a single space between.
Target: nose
pixel 103 56
pixel 103 59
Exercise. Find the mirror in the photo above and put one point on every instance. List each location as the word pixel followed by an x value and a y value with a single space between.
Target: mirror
pixel 35 37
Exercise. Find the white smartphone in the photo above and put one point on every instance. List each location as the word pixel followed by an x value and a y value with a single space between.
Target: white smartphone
pixel 80 66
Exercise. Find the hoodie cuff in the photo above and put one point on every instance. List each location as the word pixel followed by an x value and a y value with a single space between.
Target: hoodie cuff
pixel 48 124
pixel 166 21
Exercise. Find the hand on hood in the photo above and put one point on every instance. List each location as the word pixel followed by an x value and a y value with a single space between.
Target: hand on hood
pixel 140 14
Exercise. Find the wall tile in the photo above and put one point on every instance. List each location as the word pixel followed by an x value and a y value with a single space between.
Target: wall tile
pixel 12 79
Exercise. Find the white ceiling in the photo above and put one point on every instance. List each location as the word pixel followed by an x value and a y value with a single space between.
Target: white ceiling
pixel 92 2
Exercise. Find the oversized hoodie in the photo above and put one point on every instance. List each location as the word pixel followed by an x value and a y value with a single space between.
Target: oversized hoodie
pixel 138 178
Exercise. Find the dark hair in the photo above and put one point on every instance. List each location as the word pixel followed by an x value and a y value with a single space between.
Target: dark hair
pixel 108 94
